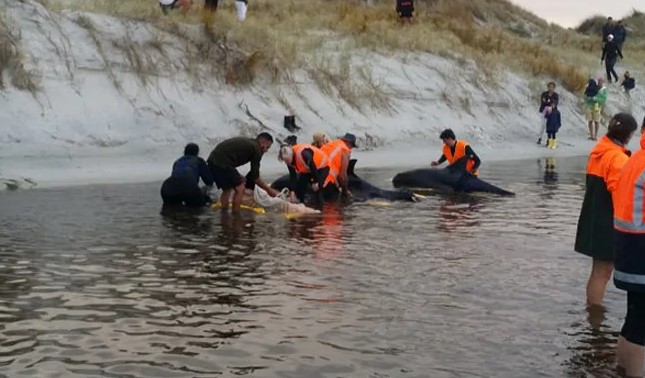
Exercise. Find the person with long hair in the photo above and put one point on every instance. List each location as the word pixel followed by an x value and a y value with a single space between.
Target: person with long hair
pixel 595 234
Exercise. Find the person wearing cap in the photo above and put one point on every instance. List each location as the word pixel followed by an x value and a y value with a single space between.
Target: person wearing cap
pixel 340 152
pixel 235 152
pixel 308 168
pixel 167 5
pixel 610 53
pixel 182 187
pixel 454 150
pixel 291 140
pixel 319 140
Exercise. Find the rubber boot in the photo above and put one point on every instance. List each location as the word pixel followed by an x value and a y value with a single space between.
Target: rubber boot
pixel 549 142
pixel 554 143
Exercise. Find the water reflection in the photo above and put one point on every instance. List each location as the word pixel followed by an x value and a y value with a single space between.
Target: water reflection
pixel 99 283
pixel 324 233
pixel 459 212
pixel 594 349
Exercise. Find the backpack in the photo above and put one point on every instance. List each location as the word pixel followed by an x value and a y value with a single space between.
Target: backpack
pixel 592 88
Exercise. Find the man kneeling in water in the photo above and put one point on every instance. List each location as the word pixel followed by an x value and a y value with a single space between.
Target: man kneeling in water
pixel 454 150
pixel 182 187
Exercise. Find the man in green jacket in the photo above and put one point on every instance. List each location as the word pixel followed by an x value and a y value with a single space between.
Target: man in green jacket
pixel 235 152
pixel 594 109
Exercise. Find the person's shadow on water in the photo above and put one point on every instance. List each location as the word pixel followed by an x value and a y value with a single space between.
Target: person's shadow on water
pixel 593 352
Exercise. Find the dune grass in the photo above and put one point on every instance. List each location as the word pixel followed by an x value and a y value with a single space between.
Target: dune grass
pixel 12 59
pixel 280 36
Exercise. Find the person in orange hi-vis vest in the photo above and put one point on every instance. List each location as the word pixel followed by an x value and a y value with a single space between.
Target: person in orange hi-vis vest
pixel 595 236
pixel 454 150
pixel 629 223
pixel 339 152
pixel 319 140
pixel 309 168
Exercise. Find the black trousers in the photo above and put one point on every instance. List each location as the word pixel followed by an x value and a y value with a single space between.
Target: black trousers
pixel 328 193
pixel 180 191
pixel 211 5
pixel 609 66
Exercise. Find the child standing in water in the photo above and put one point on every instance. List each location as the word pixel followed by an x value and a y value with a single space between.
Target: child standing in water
pixel 553 124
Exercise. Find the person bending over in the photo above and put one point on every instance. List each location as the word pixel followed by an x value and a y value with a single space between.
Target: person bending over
pixel 454 150
pixel 182 187
pixel 235 152
pixel 340 153
pixel 308 168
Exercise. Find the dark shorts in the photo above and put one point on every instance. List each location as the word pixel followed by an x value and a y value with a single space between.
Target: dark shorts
pixel 634 327
pixel 210 5
pixel 405 13
pixel 630 262
pixel 180 191
pixel 225 177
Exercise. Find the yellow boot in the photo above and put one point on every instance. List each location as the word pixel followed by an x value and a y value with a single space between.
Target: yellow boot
pixel 549 142
pixel 554 143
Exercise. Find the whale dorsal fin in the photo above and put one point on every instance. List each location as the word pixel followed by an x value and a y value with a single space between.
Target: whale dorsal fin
pixel 350 167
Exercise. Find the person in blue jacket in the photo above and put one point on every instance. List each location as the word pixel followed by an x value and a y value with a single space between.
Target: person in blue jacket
pixel 182 187
pixel 553 124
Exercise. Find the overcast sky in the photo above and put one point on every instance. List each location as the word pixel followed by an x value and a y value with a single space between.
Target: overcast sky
pixel 572 12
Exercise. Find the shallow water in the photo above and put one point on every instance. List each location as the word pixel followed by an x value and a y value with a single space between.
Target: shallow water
pixel 94 281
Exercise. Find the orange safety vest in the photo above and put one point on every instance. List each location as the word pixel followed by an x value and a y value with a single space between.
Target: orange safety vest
pixel 320 160
pixel 335 150
pixel 629 196
pixel 460 151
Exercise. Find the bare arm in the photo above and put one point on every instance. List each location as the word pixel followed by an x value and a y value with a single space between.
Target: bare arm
pixel 259 182
pixel 342 175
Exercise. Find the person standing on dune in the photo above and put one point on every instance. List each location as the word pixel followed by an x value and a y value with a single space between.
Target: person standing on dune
pixel 610 54
pixel 405 10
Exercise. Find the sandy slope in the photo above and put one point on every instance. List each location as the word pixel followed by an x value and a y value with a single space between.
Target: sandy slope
pixel 92 124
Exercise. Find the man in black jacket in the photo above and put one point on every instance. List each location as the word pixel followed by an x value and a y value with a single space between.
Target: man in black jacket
pixel 610 54
pixel 607 29
pixel 620 34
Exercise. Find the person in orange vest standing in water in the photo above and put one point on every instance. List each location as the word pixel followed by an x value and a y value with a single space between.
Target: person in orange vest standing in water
pixel 339 152
pixel 309 168
pixel 595 236
pixel 454 150
pixel 629 223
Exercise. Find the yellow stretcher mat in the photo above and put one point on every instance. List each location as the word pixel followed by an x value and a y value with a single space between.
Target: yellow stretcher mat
pixel 258 210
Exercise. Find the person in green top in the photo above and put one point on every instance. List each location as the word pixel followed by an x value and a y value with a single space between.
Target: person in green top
pixel 596 97
pixel 235 152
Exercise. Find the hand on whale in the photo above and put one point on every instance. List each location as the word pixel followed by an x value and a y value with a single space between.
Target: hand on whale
pixel 361 190
pixel 453 178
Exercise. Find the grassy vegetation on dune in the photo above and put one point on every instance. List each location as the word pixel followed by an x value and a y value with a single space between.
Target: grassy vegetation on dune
pixel 282 35
pixel 11 59
pixel 634 48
